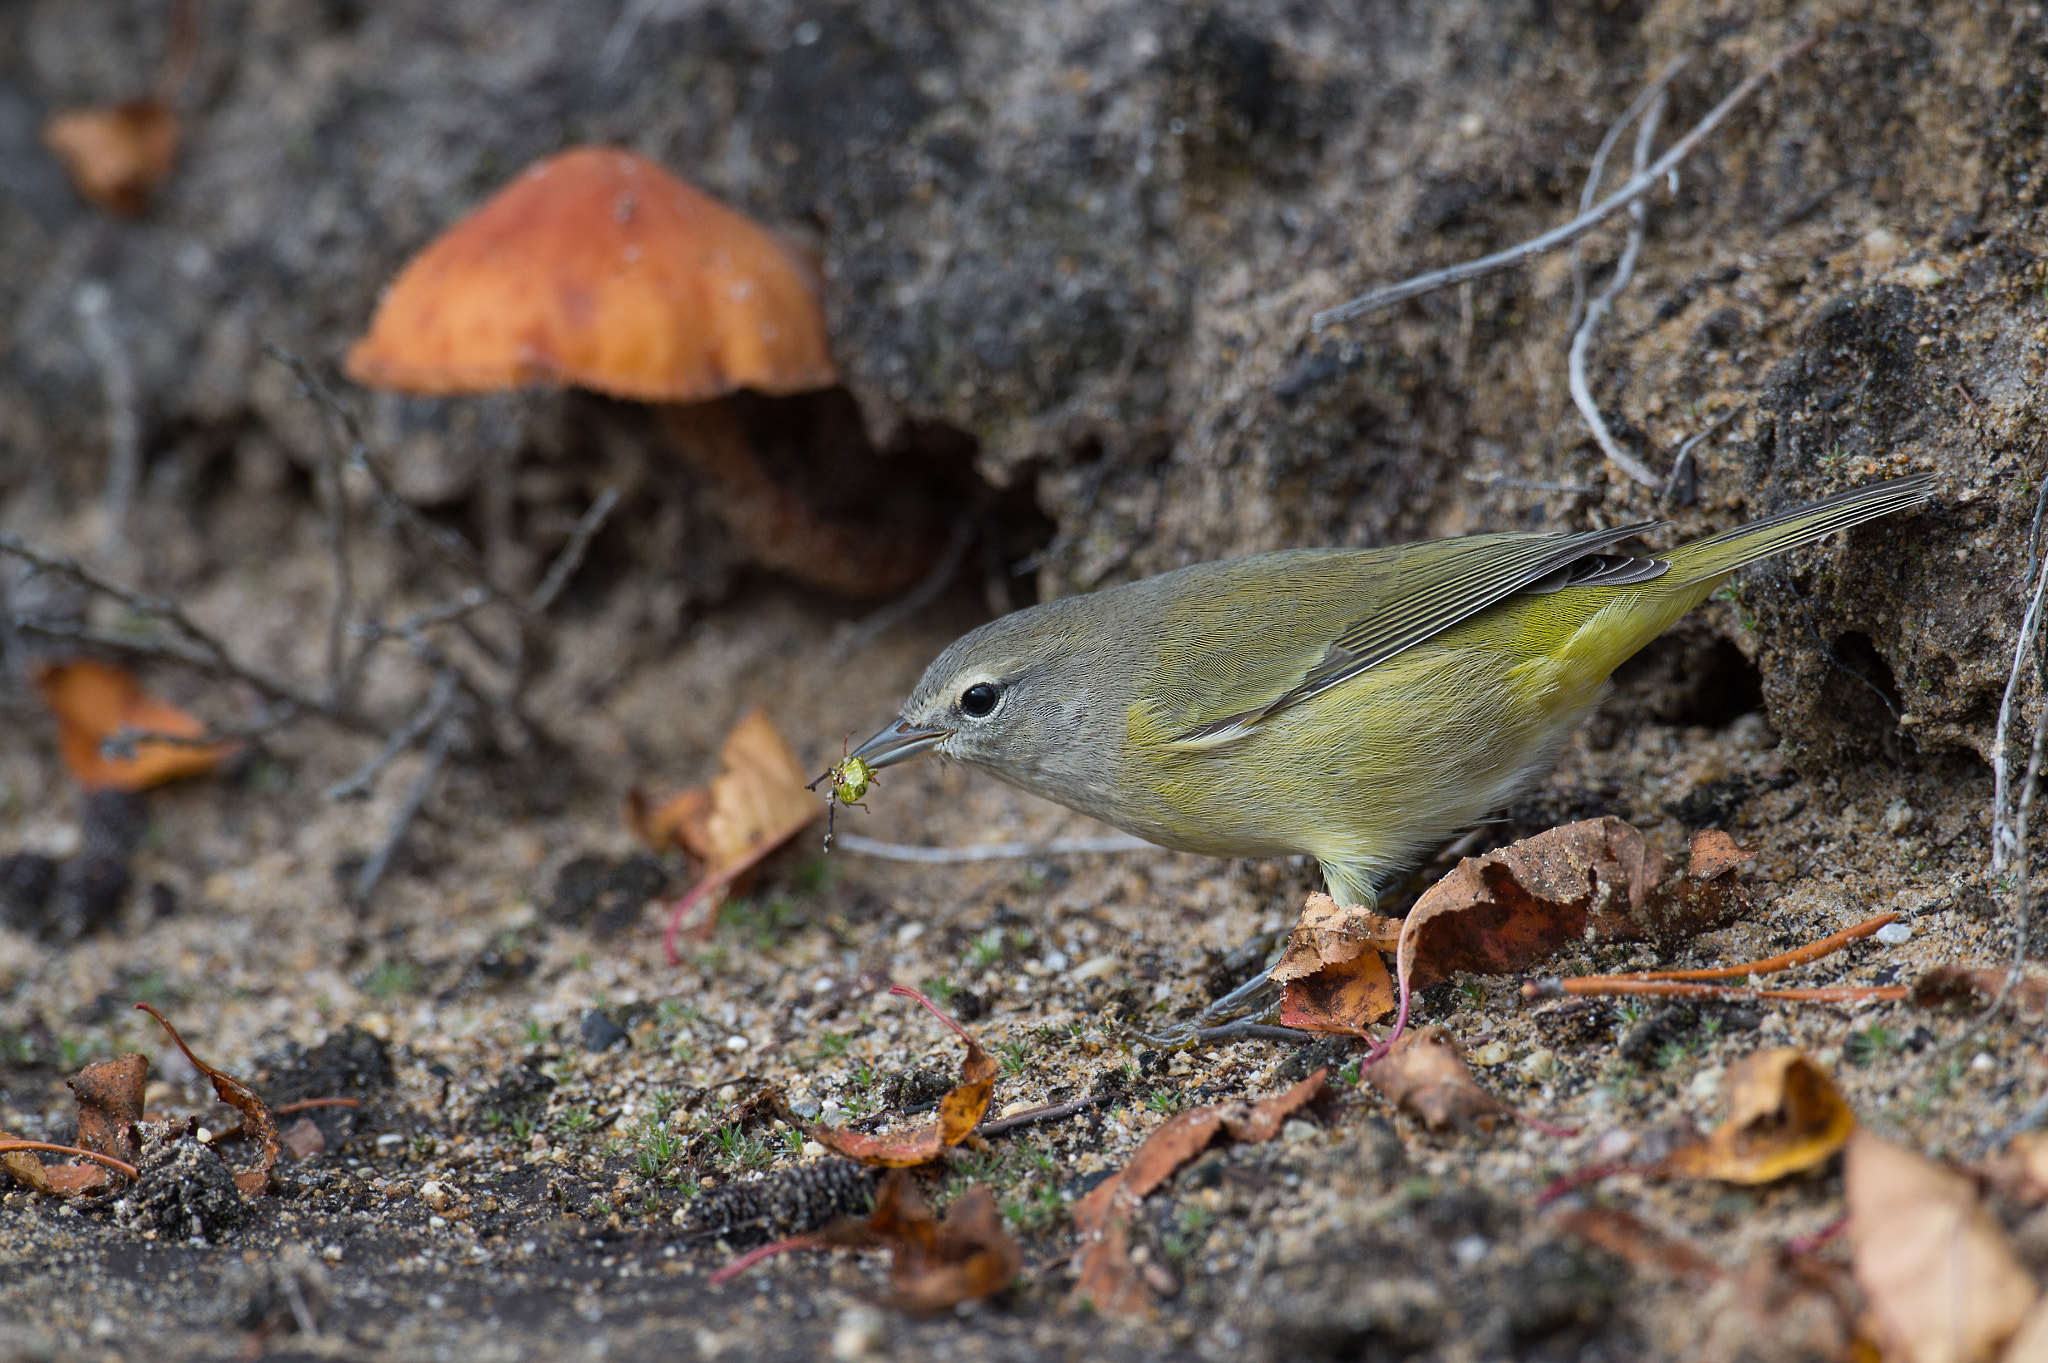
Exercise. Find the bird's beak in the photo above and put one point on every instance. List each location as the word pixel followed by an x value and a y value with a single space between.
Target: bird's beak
pixel 900 742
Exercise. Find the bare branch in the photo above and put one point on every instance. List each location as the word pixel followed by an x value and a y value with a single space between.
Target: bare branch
pixel 992 851
pixel 1596 312
pixel 1638 185
pixel 1681 466
pixel 1598 168
pixel 121 744
pixel 571 558
pixel 2002 835
pixel 401 822
pixel 423 719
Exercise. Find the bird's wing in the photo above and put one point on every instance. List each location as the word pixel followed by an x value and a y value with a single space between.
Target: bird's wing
pixel 1402 599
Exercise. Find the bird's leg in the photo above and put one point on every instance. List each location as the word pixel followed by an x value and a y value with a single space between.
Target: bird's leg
pixel 1257 1000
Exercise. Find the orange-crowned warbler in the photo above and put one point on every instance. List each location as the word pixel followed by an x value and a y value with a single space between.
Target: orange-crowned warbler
pixel 1357 705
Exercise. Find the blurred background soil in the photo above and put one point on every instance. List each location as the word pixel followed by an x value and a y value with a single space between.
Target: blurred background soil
pixel 1069 251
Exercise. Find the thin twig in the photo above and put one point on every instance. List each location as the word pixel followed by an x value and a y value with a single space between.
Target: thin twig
pixel 865 631
pixel 94 304
pixel 340 675
pixel 121 744
pixel 1050 1113
pixel 1529 484
pixel 198 647
pixel 991 851
pixel 2030 624
pixel 430 768
pixel 1596 311
pixel 571 558
pixel 1598 168
pixel 1682 464
pixel 423 719
pixel 1637 186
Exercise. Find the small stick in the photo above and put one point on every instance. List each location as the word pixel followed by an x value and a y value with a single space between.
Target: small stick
pixel 1770 965
pixel 1598 168
pixel 571 558
pixel 436 752
pixel 992 851
pixel 423 719
pixel 761 1255
pixel 93 303
pixel 120 1166
pixel 1050 1113
pixel 2002 840
pixel 1637 186
pixel 1596 312
pixel 1602 986
pixel 120 745
pixel 1683 462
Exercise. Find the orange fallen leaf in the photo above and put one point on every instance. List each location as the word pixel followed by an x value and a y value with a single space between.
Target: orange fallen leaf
pixel 1425 1072
pixel 1331 976
pixel 117 155
pixel 257 1122
pixel 1784 1116
pixel 95 702
pixel 1107 1280
pixel 757 802
pixel 934 1265
pixel 1978 986
pixel 960 1111
pixel 1943 1284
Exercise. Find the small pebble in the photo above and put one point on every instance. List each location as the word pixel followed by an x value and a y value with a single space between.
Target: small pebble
pixel 1540 1063
pixel 1492 1053
pixel 859 1335
pixel 1296 1131
pixel 1706 1085
pixel 1094 968
pixel 1470 1249
pixel 436 1195
pixel 1613 1145
pixel 1895 934
pixel 736 1043
pixel 832 1114
pixel 1982 1062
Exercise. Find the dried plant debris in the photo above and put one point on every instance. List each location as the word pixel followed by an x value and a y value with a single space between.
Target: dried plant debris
pixel 960 1109
pixel 1785 1116
pixel 258 1123
pixel 1642 1247
pixel 1979 986
pixel 1943 1284
pixel 1425 1074
pixel 757 802
pixel 117 155
pixel 110 1106
pixel 794 1202
pixel 933 1265
pixel 1107 1279
pixel 102 711
pixel 1783 1306
pixel 1332 976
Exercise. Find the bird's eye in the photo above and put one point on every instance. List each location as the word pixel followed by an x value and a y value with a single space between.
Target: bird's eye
pixel 979 700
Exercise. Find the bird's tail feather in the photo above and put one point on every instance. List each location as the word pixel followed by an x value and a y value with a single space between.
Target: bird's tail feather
pixel 1723 554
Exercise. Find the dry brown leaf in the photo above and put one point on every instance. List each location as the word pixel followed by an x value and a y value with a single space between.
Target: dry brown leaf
pixel 1942 1281
pixel 934 1265
pixel 257 1123
pixel 1784 1116
pixel 1593 880
pixel 960 1111
pixel 110 1104
pixel 1331 975
pixel 1107 1279
pixel 2020 1170
pixel 95 701
pixel 1641 1246
pixel 1978 986
pixel 26 1167
pixel 757 802
pixel 1426 1073
pixel 117 155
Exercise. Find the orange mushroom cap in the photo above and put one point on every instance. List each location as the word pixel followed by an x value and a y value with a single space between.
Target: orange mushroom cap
pixel 599 268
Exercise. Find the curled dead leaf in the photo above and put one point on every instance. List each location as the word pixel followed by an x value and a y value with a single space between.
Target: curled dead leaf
pixel 1331 975
pixel 1943 1284
pixel 94 702
pixel 110 1104
pixel 257 1122
pixel 934 1265
pixel 1784 1116
pixel 117 155
pixel 1425 1072
pixel 960 1111
pixel 757 802
pixel 1107 1279
pixel 1978 986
